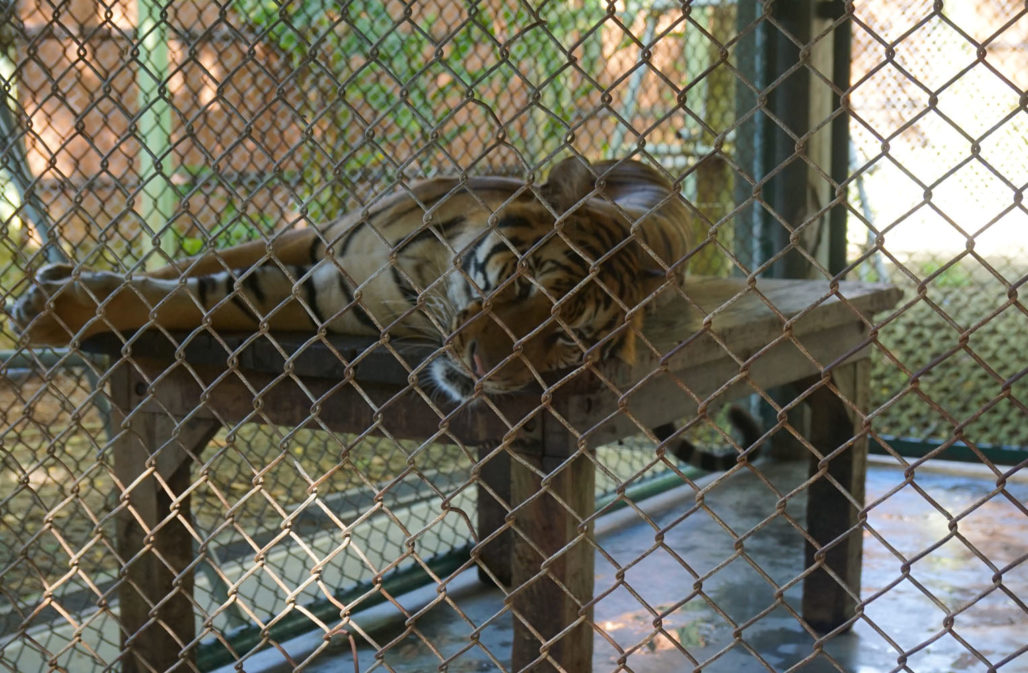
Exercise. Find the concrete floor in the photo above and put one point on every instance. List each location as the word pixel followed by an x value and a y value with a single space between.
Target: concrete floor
pixel 935 601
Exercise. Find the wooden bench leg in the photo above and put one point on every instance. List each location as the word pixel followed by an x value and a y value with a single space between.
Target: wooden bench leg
pixel 553 571
pixel 836 499
pixel 155 594
pixel 494 556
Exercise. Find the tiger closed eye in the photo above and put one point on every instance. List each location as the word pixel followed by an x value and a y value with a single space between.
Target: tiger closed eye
pixel 522 286
pixel 563 340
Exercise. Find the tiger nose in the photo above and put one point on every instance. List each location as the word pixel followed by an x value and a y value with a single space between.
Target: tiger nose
pixel 475 359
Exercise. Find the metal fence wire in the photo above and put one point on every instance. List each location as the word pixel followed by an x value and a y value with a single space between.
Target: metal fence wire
pixel 809 142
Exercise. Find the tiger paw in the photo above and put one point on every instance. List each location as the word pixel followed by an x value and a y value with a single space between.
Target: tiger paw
pixel 59 303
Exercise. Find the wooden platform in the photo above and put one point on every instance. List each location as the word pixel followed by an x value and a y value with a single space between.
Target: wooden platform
pixel 537 476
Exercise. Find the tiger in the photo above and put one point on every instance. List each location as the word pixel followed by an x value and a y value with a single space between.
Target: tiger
pixel 514 279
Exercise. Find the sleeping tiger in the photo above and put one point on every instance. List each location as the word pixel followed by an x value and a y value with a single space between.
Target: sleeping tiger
pixel 515 281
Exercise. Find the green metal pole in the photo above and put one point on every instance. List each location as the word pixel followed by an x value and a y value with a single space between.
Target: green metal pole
pixel 156 199
pixel 789 102
pixel 751 244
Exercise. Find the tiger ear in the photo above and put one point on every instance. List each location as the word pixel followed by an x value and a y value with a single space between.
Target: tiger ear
pixel 570 181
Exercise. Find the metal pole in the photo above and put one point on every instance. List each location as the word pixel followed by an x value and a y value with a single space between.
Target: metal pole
pixel 786 192
pixel 837 219
pixel 157 199
pixel 13 156
pixel 751 134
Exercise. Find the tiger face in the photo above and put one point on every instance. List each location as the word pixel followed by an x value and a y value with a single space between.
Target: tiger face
pixel 536 299
pixel 503 347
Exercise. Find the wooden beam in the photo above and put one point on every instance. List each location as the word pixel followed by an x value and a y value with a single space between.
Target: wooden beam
pixel 154 521
pixel 835 500
pixel 553 485
pixel 493 505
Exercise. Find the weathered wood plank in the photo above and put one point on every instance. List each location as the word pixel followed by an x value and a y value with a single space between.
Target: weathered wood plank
pixel 350 384
pixel 835 499
pixel 747 317
pixel 724 339
pixel 552 491
pixel 659 397
pixel 155 592
pixel 204 391
pixel 738 314
pixel 303 354
pixel 493 505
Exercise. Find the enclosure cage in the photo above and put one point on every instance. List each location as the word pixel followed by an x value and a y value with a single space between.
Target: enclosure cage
pixel 816 141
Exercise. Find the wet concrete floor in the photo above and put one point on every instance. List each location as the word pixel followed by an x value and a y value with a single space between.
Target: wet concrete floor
pixel 945 587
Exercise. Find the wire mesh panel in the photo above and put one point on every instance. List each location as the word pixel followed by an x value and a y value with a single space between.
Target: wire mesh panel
pixel 308 453
pixel 938 102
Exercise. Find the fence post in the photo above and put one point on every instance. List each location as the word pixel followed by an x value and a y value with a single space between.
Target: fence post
pixel 157 198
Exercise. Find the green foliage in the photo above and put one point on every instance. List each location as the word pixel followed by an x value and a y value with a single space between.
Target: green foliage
pixel 543 57
pixel 237 226
pixel 952 276
pixel 389 86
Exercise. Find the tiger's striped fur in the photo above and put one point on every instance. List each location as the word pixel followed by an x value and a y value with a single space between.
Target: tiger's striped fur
pixel 517 280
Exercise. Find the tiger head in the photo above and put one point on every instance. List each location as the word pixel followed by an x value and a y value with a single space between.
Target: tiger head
pixel 535 293
pixel 560 279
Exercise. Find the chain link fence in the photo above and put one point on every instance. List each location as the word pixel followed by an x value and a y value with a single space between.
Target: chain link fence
pixel 138 133
pixel 938 113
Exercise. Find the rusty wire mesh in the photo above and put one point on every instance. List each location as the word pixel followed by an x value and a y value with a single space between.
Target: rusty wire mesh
pixel 138 132
pixel 935 121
